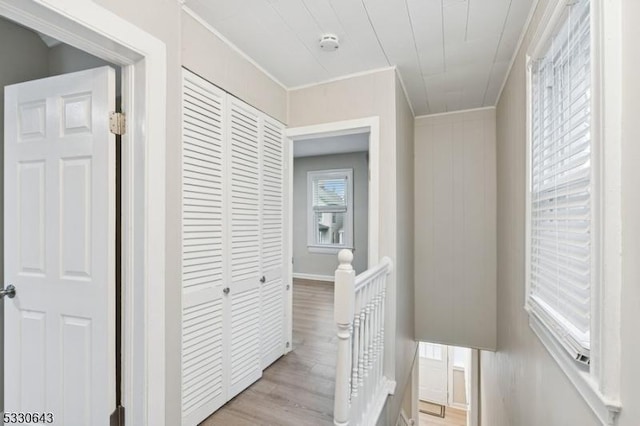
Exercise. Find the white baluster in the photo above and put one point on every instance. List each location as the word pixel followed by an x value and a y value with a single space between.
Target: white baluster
pixel 344 294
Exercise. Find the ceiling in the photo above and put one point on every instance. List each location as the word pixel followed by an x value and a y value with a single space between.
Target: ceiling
pixel 451 54
pixel 342 144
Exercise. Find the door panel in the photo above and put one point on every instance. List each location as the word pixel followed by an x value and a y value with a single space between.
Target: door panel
pixel 272 321
pixel 60 247
pixel 203 372
pixel 244 216
pixel 433 373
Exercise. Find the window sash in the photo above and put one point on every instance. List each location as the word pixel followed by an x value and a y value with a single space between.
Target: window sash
pixel 340 202
pixel 560 231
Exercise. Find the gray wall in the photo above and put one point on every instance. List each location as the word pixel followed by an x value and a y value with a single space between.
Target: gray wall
pixel 64 59
pixel 406 345
pixel 23 56
pixel 326 263
pixel 455 228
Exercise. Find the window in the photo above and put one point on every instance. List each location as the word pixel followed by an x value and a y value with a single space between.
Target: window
pixel 330 195
pixel 573 196
pixel 561 226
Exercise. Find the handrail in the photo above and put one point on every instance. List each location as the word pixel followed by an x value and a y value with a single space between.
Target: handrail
pixel 385 266
pixel 361 388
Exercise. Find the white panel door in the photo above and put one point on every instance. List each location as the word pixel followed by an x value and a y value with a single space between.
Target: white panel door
pixel 244 246
pixel 59 170
pixel 272 317
pixel 433 373
pixel 203 337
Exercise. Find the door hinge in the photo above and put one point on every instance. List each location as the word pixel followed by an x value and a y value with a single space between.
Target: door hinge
pixel 117 417
pixel 117 123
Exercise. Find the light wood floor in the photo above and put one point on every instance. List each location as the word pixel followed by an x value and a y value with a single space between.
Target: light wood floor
pixel 452 417
pixel 298 388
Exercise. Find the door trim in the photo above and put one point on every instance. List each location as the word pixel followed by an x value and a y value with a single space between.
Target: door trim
pixel 96 30
pixel 338 128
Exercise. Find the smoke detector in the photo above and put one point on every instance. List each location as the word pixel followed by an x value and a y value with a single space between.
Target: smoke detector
pixel 329 42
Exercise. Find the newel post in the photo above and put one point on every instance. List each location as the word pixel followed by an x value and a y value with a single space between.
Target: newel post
pixel 344 301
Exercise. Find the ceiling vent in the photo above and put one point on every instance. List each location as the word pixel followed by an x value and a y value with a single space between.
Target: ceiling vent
pixel 329 42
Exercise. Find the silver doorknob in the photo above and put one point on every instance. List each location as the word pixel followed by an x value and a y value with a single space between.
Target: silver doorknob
pixel 226 290
pixel 10 292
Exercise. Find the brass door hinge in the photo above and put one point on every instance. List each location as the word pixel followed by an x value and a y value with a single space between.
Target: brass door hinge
pixel 117 123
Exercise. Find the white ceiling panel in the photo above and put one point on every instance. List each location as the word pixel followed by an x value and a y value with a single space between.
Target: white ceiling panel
pixel 436 93
pixel 471 52
pixel 518 14
pixel 416 90
pixel 451 54
pixel 426 18
pixel 496 79
pixel 331 145
pixel 486 18
pixel 454 17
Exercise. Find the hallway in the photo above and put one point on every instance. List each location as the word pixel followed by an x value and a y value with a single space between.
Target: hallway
pixel 298 388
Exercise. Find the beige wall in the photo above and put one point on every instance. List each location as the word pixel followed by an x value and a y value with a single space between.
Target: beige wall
pixel 305 262
pixel 187 43
pixel 366 96
pixel 630 392
pixel 212 59
pixel 521 384
pixel 161 18
pixel 455 227
pixel 406 346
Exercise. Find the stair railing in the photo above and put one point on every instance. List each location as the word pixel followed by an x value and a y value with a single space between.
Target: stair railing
pixel 361 387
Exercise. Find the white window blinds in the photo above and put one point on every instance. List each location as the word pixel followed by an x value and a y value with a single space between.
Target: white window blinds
pixel 561 183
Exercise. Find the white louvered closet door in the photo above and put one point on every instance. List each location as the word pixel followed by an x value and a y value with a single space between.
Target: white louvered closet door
pixel 244 245
pixel 203 372
pixel 272 322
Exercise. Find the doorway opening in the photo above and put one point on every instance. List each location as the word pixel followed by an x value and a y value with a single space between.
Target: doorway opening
pixel 332 202
pixel 36 56
pixel 94 29
pixel 445 385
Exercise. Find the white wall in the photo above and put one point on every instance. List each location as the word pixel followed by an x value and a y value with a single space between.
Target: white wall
pixel 521 384
pixel 455 226
pixel 326 263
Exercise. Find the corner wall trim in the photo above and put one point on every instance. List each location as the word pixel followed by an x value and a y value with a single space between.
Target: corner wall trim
pixel 314 277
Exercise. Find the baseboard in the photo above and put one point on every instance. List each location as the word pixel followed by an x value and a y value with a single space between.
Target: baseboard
pixel 314 277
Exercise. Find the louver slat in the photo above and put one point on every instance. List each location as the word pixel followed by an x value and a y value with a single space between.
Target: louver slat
pixel 202 248
pixel 244 217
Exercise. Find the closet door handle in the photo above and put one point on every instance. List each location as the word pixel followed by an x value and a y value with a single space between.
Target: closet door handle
pixel 263 279
pixel 226 290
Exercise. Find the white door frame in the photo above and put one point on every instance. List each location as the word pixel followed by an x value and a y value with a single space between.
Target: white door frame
pixel 96 30
pixel 369 125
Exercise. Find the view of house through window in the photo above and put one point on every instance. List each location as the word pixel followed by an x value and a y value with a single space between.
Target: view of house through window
pixel 330 207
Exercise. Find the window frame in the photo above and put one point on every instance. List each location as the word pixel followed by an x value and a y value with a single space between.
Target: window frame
pixel 348 239
pixel 599 383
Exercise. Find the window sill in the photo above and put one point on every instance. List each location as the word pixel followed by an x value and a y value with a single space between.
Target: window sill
pixel 327 249
pixel 605 408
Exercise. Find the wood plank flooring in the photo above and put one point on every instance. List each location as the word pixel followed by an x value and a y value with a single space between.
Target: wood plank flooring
pixel 298 388
pixel 452 417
